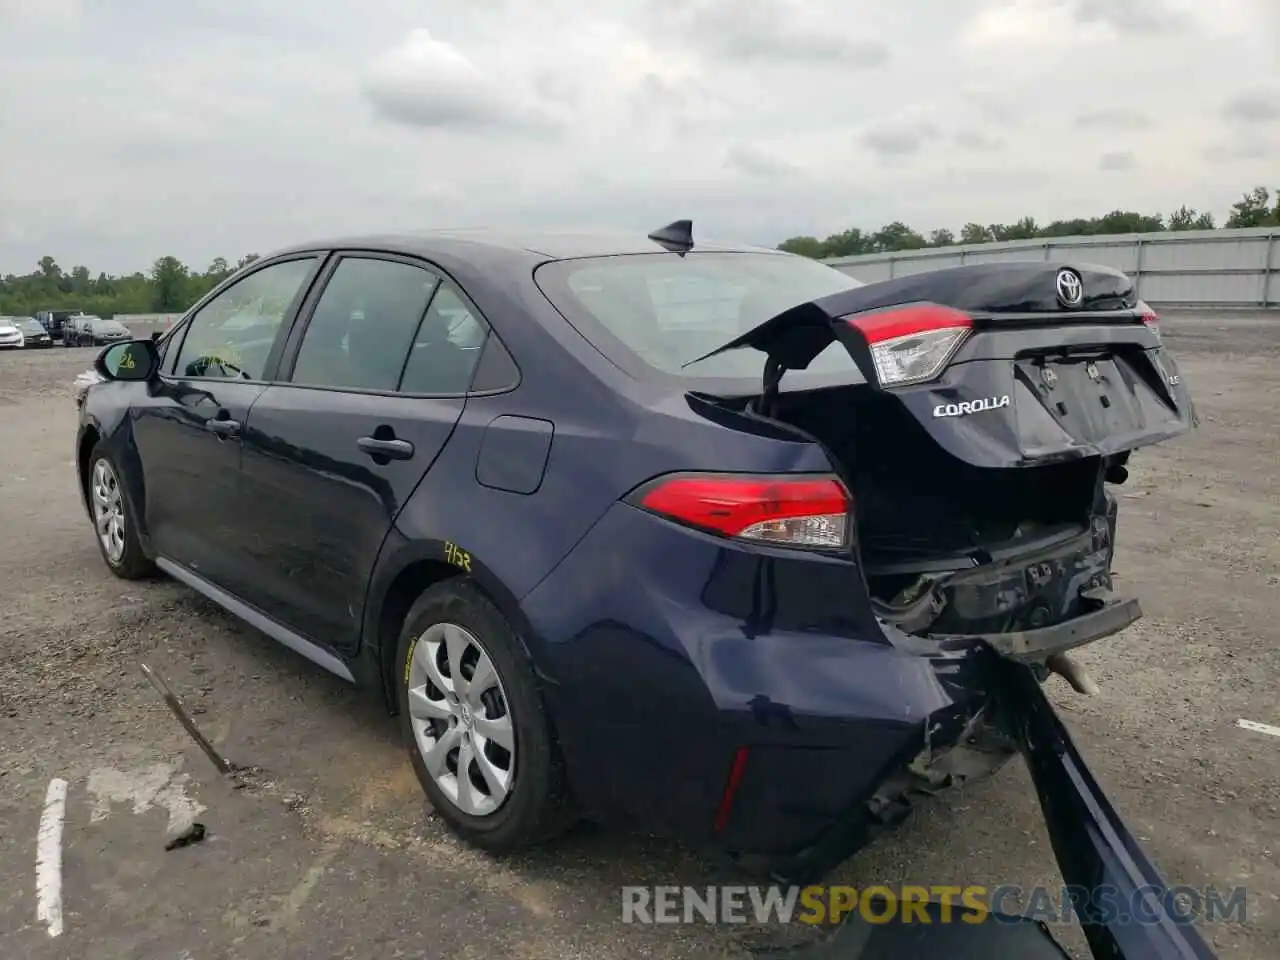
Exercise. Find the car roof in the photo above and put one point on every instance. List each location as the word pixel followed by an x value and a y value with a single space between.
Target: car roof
pixel 483 243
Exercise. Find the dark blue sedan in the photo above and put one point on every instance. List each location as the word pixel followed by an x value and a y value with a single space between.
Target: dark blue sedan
pixel 706 538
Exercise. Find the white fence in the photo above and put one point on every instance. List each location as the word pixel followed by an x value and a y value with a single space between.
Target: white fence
pixel 1193 268
pixel 158 319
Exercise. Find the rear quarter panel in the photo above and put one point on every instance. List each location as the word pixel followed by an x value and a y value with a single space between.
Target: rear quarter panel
pixel 611 433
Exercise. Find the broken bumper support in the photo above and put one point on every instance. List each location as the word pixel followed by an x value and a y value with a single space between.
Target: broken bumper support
pixel 1101 863
pixel 1036 645
pixel 1096 853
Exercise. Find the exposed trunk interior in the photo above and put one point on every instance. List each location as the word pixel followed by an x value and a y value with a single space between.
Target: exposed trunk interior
pixel 949 547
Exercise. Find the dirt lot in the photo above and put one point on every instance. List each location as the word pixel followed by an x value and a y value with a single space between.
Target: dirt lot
pixel 335 855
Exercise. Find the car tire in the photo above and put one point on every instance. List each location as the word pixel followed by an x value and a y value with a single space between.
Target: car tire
pixel 536 807
pixel 114 526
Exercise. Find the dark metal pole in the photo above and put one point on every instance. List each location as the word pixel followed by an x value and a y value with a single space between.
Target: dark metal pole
pixel 221 763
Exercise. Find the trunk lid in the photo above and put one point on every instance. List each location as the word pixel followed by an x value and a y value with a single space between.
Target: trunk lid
pixel 1046 362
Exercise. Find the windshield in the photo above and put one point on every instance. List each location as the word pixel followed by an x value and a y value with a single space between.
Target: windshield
pixel 107 326
pixel 30 326
pixel 669 310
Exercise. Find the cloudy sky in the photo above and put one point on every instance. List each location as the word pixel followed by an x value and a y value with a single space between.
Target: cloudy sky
pixel 130 129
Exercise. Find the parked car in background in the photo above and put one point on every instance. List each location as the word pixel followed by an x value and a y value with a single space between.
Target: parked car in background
pixel 553 499
pixel 55 320
pixel 71 330
pixel 88 330
pixel 10 335
pixel 97 332
pixel 34 335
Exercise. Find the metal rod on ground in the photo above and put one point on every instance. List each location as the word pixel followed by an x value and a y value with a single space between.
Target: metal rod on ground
pixel 223 766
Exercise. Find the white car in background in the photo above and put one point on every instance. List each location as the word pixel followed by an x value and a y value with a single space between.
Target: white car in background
pixel 10 336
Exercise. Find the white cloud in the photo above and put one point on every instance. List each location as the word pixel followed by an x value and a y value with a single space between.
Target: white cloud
pixel 428 83
pixel 808 32
pixel 43 13
pixel 1117 161
pixel 1020 24
pixel 219 127
pixel 755 161
pixel 1254 106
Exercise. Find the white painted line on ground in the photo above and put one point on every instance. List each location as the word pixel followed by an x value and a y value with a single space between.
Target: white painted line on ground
pixel 1256 727
pixel 49 857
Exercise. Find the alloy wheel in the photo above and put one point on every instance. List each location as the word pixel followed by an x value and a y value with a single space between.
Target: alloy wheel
pixel 461 723
pixel 108 511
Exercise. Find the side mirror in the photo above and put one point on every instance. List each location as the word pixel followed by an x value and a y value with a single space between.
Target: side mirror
pixel 131 360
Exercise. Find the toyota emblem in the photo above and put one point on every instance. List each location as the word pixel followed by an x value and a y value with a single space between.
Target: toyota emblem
pixel 1070 288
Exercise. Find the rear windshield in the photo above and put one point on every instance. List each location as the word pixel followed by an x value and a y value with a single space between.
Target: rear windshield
pixel 667 310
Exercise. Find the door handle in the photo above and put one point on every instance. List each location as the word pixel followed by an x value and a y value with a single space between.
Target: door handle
pixel 224 428
pixel 390 449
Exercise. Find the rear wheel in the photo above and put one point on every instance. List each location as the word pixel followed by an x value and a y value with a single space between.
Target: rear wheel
pixel 477 731
pixel 114 527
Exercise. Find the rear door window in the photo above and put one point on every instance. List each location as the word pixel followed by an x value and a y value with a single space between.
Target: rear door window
pixel 364 324
pixel 447 346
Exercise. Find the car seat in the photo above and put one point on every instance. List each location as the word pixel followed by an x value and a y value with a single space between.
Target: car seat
pixel 323 359
pixel 436 363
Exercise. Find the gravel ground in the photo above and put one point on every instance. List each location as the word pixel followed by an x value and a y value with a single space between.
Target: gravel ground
pixel 332 852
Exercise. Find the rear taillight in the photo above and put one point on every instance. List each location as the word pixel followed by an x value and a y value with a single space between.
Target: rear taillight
pixel 786 511
pixel 913 343
pixel 1150 318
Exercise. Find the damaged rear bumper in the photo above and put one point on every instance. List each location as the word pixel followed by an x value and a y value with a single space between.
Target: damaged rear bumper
pixel 972 738
pixel 1114 614
pixel 1101 863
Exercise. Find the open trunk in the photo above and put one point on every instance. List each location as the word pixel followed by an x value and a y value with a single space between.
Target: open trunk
pixel 993 403
pixel 949 547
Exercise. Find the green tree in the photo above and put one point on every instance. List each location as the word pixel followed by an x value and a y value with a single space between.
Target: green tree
pixel 975 233
pixel 1024 229
pixel 1127 221
pixel 170 286
pixel 941 238
pixel 897 236
pixel 1188 218
pixel 849 243
pixel 169 278
pixel 1253 210
pixel 805 247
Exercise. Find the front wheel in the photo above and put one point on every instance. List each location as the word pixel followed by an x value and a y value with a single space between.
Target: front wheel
pixel 113 525
pixel 478 734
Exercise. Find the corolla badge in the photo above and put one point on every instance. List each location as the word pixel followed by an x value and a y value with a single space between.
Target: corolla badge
pixel 966 407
